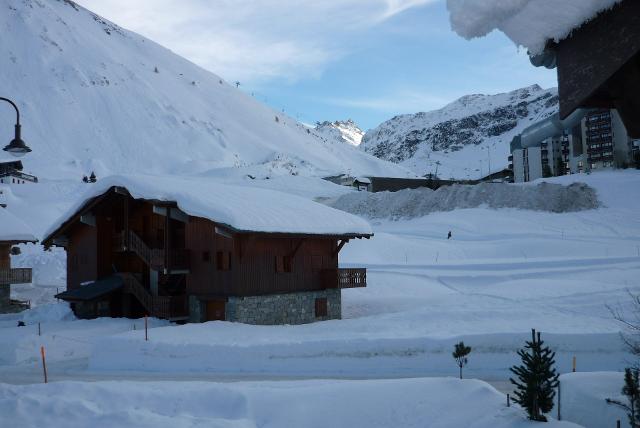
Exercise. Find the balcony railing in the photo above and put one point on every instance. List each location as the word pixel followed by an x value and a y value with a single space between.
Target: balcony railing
pixel 179 258
pixel 15 276
pixel 344 278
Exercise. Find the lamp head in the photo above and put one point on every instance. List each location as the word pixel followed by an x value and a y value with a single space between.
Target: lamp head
pixel 17 147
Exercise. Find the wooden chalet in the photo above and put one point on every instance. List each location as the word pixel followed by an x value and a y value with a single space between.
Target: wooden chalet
pixel 184 250
pixel 12 232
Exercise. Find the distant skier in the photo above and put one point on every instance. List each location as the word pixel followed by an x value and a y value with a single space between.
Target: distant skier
pixel 449 235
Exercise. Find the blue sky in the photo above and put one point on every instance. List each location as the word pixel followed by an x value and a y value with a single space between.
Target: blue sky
pixel 334 59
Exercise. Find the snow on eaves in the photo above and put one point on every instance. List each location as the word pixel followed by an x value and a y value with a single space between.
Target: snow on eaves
pixel 529 23
pixel 246 209
pixel 12 229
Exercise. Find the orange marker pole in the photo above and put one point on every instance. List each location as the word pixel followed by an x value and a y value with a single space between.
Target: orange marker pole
pixel 574 363
pixel 44 363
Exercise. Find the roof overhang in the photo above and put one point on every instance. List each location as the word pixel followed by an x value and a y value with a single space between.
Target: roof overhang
pixel 599 65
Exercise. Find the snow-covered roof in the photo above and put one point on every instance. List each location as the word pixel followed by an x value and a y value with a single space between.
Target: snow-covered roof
pixel 245 209
pixel 363 180
pixel 12 229
pixel 529 23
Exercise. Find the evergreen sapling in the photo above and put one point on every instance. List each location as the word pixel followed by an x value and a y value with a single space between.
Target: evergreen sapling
pixel 537 378
pixel 631 390
pixel 460 354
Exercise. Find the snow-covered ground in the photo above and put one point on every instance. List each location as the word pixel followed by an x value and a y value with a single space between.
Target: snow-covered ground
pixel 504 272
pixel 406 403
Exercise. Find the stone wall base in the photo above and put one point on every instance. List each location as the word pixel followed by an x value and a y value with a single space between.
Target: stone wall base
pixel 273 309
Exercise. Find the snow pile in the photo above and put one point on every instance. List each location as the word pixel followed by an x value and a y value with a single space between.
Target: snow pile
pixel 349 404
pixel 241 207
pixel 412 203
pixel 13 229
pixel 583 399
pixel 529 23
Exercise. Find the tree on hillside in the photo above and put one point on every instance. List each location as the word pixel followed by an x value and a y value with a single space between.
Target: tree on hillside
pixel 460 353
pixel 631 390
pixel 537 378
pixel 92 177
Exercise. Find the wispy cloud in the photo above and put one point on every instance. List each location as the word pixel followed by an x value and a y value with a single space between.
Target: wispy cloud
pixel 404 100
pixel 254 40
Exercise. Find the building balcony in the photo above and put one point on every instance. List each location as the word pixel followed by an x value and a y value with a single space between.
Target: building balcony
pixel 344 278
pixel 15 276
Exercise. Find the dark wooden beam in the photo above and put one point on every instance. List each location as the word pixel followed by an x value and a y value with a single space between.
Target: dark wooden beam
pixel 297 247
pixel 339 247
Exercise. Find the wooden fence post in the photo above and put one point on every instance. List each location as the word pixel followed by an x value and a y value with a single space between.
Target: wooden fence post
pixel 559 414
pixel 508 401
pixel 44 363
pixel 39 330
pixel 146 334
pixel 574 364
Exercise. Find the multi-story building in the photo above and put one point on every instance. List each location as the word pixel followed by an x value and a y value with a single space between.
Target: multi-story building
pixel 606 142
pixel 599 141
pixel 557 155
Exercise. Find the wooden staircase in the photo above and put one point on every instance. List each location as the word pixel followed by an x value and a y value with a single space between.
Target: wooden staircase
pixel 167 307
pixel 153 257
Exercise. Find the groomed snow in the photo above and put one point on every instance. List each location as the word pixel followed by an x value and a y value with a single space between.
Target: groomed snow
pixel 13 229
pixel 436 403
pixel 240 207
pixel 529 23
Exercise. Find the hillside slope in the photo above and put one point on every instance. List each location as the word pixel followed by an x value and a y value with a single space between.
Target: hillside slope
pixel 459 139
pixel 94 96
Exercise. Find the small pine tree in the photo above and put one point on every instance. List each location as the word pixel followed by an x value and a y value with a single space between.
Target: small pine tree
pixel 460 354
pixel 92 177
pixel 155 70
pixel 631 390
pixel 277 119
pixel 537 378
pixel 85 179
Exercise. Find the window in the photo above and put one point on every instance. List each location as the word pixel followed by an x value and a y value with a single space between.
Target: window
pixel 321 307
pixel 284 264
pixel 206 256
pixel 223 260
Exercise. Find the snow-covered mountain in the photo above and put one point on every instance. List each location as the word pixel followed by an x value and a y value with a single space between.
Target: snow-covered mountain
pixel 94 96
pixel 341 130
pixel 461 139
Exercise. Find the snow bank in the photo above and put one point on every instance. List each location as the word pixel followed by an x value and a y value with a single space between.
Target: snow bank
pixel 412 203
pixel 376 403
pixel 529 23
pixel 583 398
pixel 240 207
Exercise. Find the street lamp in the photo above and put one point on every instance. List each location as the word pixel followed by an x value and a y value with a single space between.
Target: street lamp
pixel 16 147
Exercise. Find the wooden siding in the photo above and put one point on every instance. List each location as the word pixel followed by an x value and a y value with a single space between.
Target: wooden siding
pixel 81 255
pixel 5 259
pixel 254 262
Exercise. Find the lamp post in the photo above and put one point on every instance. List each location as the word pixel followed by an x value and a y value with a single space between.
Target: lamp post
pixel 16 147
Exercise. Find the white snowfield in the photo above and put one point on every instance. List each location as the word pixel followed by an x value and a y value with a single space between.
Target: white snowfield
pixel 125 104
pixel 434 403
pixel 13 229
pixel 242 208
pixel 529 23
pixel 412 203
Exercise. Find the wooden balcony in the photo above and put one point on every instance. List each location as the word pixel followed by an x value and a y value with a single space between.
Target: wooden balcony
pixel 15 276
pixel 344 278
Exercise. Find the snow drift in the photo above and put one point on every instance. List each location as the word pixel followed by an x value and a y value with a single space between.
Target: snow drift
pixel 411 203
pixel 372 404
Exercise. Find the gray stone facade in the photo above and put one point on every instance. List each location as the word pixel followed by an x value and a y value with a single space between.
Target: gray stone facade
pixel 291 308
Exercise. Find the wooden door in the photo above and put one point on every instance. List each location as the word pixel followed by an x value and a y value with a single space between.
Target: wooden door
pixel 215 310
